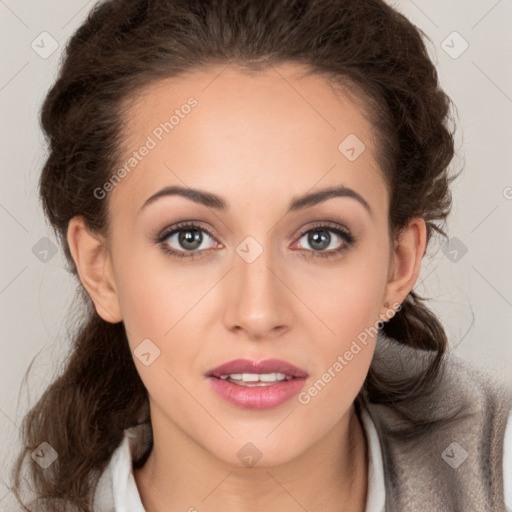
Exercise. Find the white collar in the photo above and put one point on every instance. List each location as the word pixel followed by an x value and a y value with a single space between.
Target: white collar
pixel 375 499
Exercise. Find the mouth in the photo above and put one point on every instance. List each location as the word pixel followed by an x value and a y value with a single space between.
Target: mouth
pixel 250 372
pixel 251 380
pixel 257 384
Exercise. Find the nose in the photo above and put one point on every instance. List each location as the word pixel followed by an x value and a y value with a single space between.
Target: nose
pixel 258 301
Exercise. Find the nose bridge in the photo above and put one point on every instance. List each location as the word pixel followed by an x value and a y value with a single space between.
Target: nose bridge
pixel 259 302
pixel 253 263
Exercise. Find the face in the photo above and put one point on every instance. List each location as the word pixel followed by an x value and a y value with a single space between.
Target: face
pixel 254 273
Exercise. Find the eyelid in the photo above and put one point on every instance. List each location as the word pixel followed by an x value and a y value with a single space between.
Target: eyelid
pixel 324 224
pixel 182 225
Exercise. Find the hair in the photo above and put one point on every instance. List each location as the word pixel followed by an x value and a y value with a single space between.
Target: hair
pixel 124 45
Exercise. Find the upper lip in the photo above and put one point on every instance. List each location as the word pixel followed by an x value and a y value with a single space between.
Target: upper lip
pixel 251 366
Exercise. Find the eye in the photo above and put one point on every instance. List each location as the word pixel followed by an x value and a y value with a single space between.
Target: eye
pixel 185 238
pixel 327 240
pixel 190 240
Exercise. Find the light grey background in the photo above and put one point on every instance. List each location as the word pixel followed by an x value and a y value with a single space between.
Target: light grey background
pixel 471 291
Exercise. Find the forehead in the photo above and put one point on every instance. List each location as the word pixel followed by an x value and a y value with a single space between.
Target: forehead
pixel 277 130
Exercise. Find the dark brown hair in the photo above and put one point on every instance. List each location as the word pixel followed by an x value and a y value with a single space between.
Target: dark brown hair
pixel 124 45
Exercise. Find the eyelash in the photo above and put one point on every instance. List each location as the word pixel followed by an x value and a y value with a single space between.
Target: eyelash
pixel 347 237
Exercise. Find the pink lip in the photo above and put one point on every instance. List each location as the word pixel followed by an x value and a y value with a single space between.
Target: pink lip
pixel 257 397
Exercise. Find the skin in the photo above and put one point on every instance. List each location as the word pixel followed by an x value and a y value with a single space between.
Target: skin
pixel 257 140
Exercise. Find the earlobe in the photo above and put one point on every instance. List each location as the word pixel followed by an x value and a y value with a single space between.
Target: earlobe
pixel 407 256
pixel 93 264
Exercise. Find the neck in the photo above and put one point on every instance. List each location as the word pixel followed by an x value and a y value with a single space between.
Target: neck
pixel 330 476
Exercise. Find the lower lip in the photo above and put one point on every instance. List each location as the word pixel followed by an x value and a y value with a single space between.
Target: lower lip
pixel 257 397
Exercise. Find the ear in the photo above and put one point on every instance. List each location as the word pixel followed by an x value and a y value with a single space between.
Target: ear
pixel 94 266
pixel 405 266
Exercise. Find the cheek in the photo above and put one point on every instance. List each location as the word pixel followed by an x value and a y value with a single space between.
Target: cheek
pixel 155 294
pixel 347 298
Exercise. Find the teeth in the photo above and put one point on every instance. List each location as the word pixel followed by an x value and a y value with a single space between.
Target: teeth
pixel 257 377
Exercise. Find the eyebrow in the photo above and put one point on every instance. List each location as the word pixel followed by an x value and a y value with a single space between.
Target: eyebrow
pixel 298 203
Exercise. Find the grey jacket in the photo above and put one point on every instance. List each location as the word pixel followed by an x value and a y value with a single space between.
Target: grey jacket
pixel 444 451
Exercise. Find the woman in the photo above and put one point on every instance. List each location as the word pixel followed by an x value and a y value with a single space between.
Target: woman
pixel 245 190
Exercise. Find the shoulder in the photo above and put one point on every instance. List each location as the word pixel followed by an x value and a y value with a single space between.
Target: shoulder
pixel 446 443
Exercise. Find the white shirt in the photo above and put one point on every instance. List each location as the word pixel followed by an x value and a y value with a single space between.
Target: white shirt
pixel 119 480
